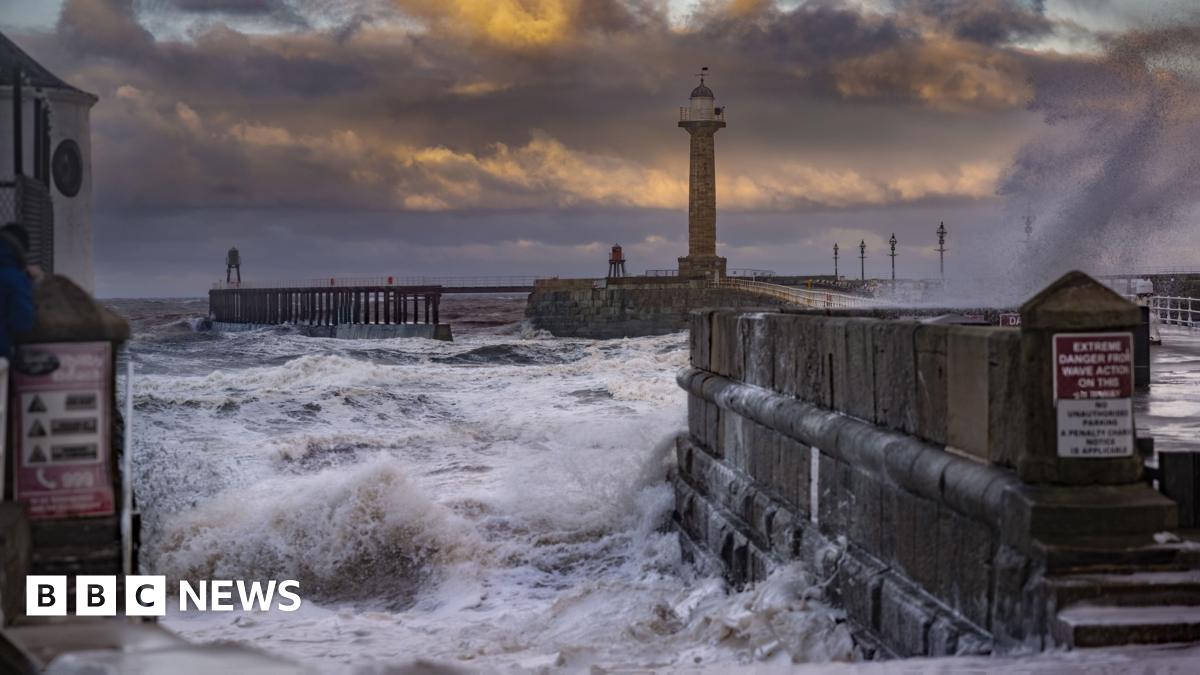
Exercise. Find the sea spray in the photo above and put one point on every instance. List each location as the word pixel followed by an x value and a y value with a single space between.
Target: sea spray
pixel 1113 178
pixel 365 531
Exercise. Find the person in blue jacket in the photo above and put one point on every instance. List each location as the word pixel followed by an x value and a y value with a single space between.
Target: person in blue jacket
pixel 16 290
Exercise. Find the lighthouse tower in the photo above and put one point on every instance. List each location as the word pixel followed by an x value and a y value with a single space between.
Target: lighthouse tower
pixel 702 119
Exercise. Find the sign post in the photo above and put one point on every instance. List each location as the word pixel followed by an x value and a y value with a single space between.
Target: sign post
pixel 1093 394
pixel 62 419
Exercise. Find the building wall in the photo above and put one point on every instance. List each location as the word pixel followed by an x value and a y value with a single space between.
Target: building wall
pixel 70 118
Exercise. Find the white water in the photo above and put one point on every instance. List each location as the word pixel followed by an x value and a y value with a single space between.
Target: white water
pixel 496 502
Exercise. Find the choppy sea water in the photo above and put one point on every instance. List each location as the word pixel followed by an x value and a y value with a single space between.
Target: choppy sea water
pixel 499 502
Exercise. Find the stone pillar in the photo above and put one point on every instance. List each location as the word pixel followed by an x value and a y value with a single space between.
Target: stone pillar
pixel 702 260
pixel 1075 304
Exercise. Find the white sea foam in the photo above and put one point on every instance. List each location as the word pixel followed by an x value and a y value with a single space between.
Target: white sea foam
pixel 496 502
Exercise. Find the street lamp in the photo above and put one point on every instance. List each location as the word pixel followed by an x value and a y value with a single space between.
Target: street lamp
pixel 862 259
pixel 892 241
pixel 835 259
pixel 941 249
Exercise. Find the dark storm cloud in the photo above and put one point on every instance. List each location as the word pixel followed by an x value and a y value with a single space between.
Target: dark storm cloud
pixel 985 21
pixel 374 117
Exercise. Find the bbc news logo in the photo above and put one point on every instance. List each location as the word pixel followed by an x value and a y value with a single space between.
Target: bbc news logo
pixel 146 595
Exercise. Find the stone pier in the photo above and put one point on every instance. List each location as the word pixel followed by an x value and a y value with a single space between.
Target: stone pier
pixel 915 468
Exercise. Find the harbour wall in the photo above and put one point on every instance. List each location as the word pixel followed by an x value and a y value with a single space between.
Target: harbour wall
pixel 626 307
pixel 909 465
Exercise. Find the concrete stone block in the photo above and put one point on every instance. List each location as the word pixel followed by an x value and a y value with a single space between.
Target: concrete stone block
pixel 916 538
pixel 765 458
pixel 683 456
pixel 943 637
pixel 833 363
pixel 783 328
pixel 830 515
pixel 904 620
pixel 889 514
pixel 807 347
pixel 1053 511
pixel 759 334
pixel 967 391
pixel 726 349
pixel 931 382
pixel 865 518
pixel 712 427
pixel 701 339
pixel 1006 397
pixel 695 415
pixel 732 449
pixel 895 366
pixel 963 566
pixel 1016 610
pixel 858 589
pixel 858 398
pixel 795 483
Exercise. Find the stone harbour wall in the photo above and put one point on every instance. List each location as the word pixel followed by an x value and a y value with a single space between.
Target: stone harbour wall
pixel 628 307
pixel 906 463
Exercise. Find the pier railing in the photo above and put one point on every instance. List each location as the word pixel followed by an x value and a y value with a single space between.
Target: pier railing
pixel 736 272
pixel 819 299
pixel 1175 311
pixel 375 282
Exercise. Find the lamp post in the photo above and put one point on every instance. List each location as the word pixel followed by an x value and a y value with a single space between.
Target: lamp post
pixel 892 241
pixel 941 249
pixel 862 259
pixel 835 259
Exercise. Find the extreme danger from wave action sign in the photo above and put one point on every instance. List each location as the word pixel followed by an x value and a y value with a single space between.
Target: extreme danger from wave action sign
pixel 1093 392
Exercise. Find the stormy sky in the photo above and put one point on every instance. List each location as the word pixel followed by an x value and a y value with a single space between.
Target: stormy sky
pixel 480 137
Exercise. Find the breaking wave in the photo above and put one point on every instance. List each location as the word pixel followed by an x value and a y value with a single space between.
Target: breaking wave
pixel 499 501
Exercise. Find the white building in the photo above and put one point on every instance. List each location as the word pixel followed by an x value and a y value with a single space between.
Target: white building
pixel 61 164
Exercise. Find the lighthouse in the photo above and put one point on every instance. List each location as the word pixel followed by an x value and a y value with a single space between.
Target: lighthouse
pixel 701 119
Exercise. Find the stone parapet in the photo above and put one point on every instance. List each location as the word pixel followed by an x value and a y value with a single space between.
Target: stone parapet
pixel 888 454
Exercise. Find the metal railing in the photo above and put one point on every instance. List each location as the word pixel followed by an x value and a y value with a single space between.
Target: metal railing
pixel 738 272
pixel 798 296
pixel 1175 311
pixel 354 282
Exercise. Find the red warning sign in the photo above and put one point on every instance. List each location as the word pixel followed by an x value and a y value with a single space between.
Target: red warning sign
pixel 1093 393
pixel 62 394
pixel 1093 365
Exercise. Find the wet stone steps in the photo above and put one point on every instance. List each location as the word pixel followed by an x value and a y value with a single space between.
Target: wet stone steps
pixel 1100 625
